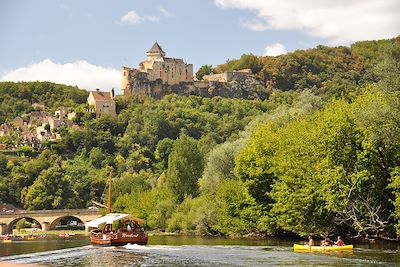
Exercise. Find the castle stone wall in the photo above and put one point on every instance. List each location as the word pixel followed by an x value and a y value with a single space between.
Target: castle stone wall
pixel 243 87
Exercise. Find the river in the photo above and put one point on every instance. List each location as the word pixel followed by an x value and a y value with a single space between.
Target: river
pixel 189 251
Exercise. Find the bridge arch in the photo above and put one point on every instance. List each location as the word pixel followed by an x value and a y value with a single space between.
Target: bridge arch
pixel 54 223
pixel 45 218
pixel 14 222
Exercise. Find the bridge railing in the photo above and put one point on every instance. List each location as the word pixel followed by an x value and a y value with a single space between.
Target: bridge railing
pixel 57 211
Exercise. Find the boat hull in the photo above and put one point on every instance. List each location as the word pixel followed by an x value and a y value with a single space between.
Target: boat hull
pixel 306 248
pixel 118 239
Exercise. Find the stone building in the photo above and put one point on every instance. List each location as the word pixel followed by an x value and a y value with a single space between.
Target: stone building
pixel 61 113
pixel 159 76
pixel 169 71
pixel 228 76
pixel 102 102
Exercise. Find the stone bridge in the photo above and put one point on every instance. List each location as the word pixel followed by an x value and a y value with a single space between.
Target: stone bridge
pixel 48 219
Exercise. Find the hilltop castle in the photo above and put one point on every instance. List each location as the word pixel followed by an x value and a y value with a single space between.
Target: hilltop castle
pixel 159 76
pixel 157 66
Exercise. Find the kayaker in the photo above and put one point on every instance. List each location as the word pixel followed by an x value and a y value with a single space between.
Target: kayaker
pixel 339 242
pixel 310 241
pixel 326 242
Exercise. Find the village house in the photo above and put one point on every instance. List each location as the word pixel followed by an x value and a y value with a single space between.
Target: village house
pixel 71 115
pixel 21 122
pixel 102 102
pixel 36 127
pixel 5 129
pixel 61 113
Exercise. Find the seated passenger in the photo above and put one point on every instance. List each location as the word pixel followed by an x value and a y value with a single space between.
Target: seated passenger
pixel 326 242
pixel 339 242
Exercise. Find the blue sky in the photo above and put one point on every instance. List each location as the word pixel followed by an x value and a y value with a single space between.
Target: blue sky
pixel 85 43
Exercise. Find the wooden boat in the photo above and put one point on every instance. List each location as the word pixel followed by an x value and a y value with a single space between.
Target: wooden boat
pixel 307 248
pixel 127 232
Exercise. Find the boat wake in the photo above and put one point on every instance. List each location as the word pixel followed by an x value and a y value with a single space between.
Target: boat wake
pixel 147 248
pixel 48 256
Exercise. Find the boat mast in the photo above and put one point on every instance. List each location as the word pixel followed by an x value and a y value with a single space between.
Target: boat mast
pixel 109 194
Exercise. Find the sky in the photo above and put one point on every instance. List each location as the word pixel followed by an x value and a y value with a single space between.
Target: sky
pixel 86 42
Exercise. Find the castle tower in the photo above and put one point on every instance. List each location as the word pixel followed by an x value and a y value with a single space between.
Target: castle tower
pixel 125 74
pixel 155 53
pixel 157 67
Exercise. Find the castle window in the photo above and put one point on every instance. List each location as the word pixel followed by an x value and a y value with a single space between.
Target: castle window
pixel 160 73
pixel 124 73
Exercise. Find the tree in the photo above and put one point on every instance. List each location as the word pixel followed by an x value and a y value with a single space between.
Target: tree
pixel 204 70
pixel 50 191
pixel 3 164
pixel 194 215
pixel 388 70
pixel 163 150
pixel 24 176
pixel 185 166
pixel 96 157
pixel 132 182
pixel 328 171
pixel 236 211
pixel 86 182
pixel 138 159
pixel 154 206
pixel 248 61
pixel 220 166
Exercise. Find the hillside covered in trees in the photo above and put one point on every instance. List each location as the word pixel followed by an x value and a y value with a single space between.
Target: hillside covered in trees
pixel 320 156
pixel 17 98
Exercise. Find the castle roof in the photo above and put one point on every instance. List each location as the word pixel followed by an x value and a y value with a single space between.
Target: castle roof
pixel 176 60
pixel 156 48
pixel 102 96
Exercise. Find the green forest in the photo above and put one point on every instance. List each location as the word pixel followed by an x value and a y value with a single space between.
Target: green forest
pixel 320 155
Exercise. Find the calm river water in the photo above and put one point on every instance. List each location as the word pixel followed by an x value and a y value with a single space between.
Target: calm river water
pixel 189 251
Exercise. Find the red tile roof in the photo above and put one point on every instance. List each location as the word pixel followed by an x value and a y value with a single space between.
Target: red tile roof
pixel 102 96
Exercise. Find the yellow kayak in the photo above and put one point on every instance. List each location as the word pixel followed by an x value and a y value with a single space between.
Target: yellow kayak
pixel 307 248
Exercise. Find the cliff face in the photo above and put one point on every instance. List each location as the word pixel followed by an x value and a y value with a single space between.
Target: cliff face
pixel 242 87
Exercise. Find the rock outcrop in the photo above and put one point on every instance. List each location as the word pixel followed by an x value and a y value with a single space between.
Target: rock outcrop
pixel 242 87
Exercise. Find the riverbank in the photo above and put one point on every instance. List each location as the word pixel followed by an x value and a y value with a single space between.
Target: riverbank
pixel 24 234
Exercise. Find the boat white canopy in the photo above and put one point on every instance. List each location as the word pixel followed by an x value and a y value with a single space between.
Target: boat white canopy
pixel 108 219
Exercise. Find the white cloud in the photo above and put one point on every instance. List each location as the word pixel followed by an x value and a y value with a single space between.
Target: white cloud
pixel 275 50
pixel 165 12
pixel 131 18
pixel 80 73
pixel 134 18
pixel 339 21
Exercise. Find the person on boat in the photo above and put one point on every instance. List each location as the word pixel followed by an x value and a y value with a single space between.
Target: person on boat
pixel 107 228
pixel 339 242
pixel 326 242
pixel 310 241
